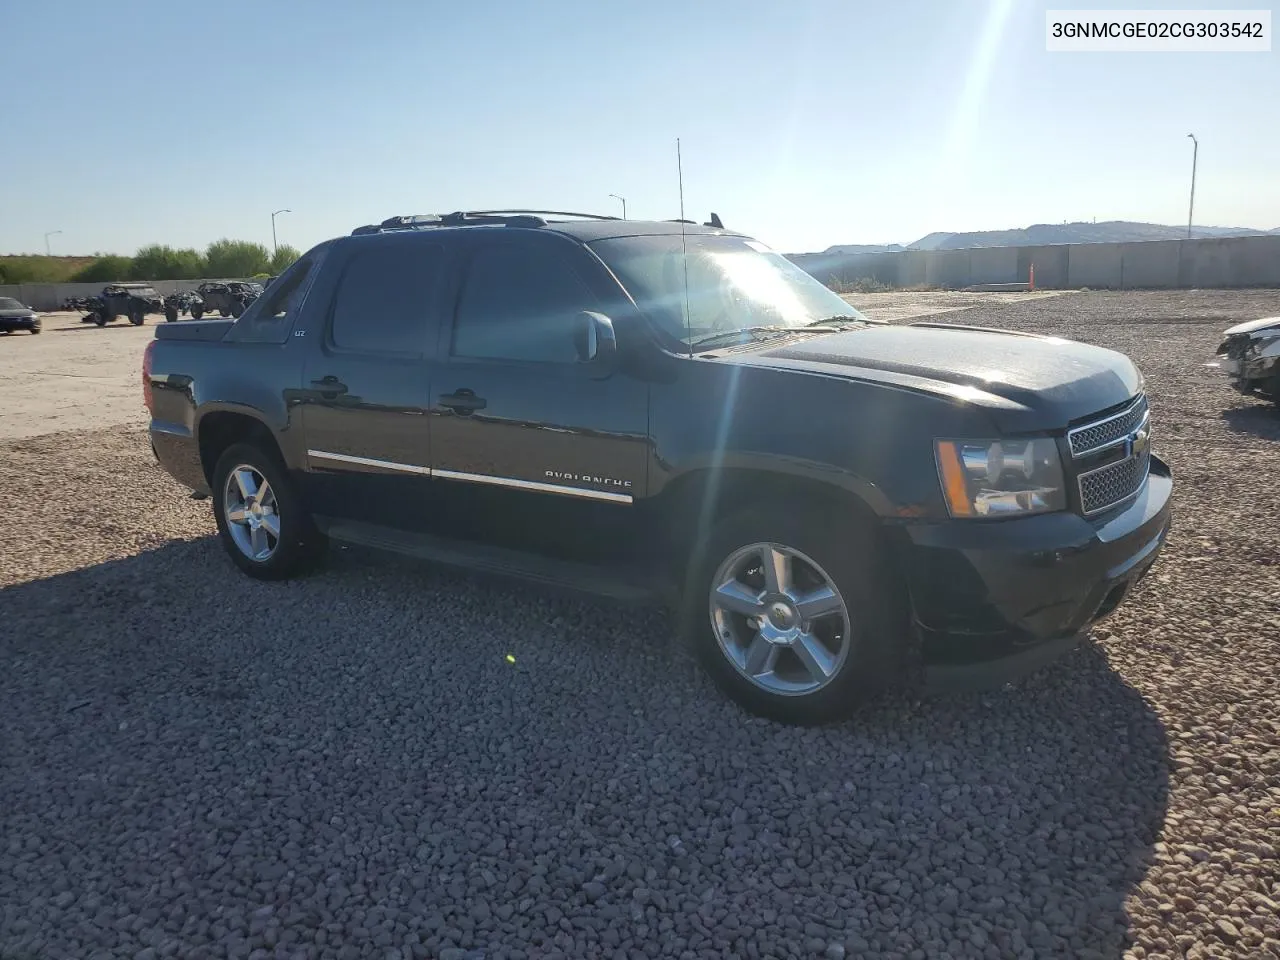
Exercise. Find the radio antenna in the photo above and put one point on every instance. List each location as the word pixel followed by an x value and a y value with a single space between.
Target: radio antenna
pixel 684 249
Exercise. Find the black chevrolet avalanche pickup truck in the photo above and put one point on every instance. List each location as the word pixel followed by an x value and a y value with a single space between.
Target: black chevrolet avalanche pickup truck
pixel 670 412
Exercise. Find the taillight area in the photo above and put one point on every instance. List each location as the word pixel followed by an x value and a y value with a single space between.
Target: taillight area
pixel 146 376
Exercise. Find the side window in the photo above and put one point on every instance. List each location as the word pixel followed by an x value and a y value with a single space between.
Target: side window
pixel 385 297
pixel 518 302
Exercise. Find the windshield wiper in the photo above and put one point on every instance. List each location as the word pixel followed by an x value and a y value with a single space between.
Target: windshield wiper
pixel 836 322
pixel 743 334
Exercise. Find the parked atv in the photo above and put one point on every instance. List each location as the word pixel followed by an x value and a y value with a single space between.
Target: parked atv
pixel 132 300
pixel 180 304
pixel 230 298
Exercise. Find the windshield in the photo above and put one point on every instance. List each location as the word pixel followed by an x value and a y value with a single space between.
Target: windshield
pixel 733 284
pixel 8 303
pixel 140 292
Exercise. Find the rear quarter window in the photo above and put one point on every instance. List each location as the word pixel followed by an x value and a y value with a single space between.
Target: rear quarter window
pixel 271 317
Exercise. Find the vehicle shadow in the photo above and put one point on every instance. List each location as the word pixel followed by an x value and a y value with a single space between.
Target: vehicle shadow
pixel 1258 420
pixel 93 326
pixel 443 748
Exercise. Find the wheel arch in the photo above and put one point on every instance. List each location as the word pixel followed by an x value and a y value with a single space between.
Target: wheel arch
pixel 696 500
pixel 220 428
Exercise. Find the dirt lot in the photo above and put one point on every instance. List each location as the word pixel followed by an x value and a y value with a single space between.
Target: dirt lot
pixel 193 764
pixel 73 376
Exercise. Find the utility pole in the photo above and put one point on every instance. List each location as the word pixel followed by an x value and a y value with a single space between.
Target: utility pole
pixel 1195 152
pixel 274 246
pixel 51 233
pixel 624 204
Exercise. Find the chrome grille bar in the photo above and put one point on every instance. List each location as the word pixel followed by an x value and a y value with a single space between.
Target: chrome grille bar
pixel 1108 432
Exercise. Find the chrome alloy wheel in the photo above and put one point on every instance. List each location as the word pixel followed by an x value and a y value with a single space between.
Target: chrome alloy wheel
pixel 779 619
pixel 249 505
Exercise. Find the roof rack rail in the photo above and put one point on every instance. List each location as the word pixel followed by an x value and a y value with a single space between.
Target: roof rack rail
pixel 548 213
pixel 713 222
pixel 399 223
pixel 507 218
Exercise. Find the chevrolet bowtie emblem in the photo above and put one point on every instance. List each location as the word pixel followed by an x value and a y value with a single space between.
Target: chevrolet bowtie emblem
pixel 1138 441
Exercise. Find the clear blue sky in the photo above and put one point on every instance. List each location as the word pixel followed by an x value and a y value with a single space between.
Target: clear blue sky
pixel 807 123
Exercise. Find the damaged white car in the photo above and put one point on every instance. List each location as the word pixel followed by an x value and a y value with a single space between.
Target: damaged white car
pixel 1250 356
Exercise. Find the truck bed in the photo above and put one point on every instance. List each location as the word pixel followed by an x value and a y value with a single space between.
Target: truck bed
pixel 202 330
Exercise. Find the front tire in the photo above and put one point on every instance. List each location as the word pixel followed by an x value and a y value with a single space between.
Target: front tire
pixel 100 319
pixel 197 313
pixel 170 314
pixel 795 617
pixel 262 522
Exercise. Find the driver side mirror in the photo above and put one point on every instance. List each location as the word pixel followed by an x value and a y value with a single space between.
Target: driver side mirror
pixel 595 342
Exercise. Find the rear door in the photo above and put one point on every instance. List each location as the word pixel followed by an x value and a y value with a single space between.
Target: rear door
pixel 529 450
pixel 366 384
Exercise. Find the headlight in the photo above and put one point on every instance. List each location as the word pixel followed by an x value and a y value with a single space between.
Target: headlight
pixel 999 478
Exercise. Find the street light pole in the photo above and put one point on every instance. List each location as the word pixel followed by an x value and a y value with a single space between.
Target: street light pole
pixel 51 233
pixel 624 204
pixel 1195 153
pixel 274 246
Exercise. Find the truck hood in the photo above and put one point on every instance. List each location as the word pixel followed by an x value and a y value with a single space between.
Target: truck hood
pixel 17 313
pixel 1025 382
pixel 1252 326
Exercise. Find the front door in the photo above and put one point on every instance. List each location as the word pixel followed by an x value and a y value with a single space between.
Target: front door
pixel 529 449
pixel 367 384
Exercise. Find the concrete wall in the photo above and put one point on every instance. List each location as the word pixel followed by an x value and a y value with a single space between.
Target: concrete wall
pixel 1156 264
pixel 995 265
pixel 1093 265
pixel 49 296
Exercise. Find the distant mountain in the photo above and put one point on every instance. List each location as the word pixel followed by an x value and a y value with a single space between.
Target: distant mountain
pixel 1110 231
pixel 865 248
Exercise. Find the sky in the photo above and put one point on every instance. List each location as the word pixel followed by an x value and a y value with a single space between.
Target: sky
pixel 805 124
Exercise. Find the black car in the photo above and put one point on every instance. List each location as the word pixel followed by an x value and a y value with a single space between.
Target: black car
pixel 229 298
pixel 17 316
pixel 131 300
pixel 669 412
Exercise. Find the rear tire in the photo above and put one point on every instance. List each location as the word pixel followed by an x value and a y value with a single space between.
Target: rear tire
pixel 269 534
pixel 170 314
pixel 197 313
pixel 100 319
pixel 809 667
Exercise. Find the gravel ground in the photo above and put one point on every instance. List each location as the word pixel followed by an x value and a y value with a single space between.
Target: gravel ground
pixel 193 764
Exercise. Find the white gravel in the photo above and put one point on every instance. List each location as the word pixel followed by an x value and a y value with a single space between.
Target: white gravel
pixel 193 764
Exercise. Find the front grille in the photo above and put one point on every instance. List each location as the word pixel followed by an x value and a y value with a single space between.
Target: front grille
pixel 1107 486
pixel 1110 431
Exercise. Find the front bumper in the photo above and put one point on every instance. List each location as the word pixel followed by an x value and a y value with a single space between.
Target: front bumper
pixel 20 323
pixel 992 601
pixel 1248 361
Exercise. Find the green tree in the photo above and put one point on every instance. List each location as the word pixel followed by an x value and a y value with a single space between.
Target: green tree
pixel 106 270
pixel 283 258
pixel 35 269
pixel 158 262
pixel 236 258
